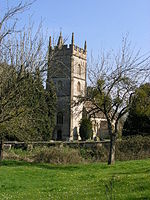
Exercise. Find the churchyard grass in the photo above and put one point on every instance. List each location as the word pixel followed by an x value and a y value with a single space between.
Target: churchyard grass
pixel 124 180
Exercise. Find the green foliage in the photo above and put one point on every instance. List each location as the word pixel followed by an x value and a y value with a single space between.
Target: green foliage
pixel 131 148
pixel 94 154
pixel 36 121
pixel 13 97
pixel 138 120
pixel 40 110
pixel 86 129
pixel 141 100
pixel 50 98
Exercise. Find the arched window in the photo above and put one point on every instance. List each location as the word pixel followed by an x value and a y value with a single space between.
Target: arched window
pixel 59 135
pixel 79 69
pixel 78 86
pixel 59 118
pixel 60 85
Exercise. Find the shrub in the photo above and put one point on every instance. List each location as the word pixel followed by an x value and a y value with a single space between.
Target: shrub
pixel 18 154
pixel 129 148
pixel 135 147
pixel 57 155
pixel 86 129
pixel 94 154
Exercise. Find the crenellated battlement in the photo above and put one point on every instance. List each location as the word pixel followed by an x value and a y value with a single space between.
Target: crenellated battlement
pixel 70 49
pixel 79 52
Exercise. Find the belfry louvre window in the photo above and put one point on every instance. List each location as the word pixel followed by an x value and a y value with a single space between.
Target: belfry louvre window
pixel 79 69
pixel 60 118
pixel 78 87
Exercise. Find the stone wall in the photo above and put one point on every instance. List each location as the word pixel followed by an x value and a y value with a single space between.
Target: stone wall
pixel 74 144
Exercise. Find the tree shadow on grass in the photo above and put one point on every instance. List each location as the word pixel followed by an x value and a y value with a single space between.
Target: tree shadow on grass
pixel 14 163
pixel 140 171
pixel 142 198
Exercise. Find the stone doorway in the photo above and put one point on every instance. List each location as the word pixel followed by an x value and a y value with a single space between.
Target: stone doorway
pixel 59 135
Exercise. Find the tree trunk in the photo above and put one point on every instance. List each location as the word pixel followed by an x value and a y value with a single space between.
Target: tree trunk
pixel 111 159
pixel 1 149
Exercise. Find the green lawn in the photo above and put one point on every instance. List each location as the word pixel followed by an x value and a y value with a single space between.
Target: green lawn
pixel 20 180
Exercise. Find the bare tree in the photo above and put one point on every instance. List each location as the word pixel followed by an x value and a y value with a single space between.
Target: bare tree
pixel 21 53
pixel 113 82
pixel 11 14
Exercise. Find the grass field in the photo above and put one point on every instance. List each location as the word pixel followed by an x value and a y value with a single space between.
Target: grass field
pixel 128 180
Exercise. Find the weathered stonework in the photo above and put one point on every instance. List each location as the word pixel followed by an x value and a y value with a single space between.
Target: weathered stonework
pixel 67 69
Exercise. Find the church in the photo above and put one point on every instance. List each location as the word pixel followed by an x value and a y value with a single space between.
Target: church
pixel 67 66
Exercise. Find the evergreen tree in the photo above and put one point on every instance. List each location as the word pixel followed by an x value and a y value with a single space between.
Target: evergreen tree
pixel 138 120
pixel 86 131
pixel 45 104
pixel 50 98
pixel 39 110
pixel 36 122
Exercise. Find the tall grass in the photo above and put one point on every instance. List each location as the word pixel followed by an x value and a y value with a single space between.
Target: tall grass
pixel 126 149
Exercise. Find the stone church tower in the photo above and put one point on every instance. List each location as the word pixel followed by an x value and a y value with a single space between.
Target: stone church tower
pixel 67 69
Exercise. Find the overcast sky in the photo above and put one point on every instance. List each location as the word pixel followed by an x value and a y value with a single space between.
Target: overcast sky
pixel 101 22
